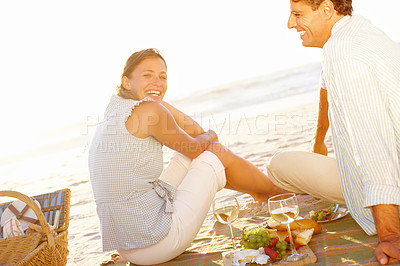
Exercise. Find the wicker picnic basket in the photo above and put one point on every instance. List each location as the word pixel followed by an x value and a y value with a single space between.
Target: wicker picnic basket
pixel 39 248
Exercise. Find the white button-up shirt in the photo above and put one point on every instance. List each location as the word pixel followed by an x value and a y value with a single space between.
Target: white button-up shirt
pixel 361 72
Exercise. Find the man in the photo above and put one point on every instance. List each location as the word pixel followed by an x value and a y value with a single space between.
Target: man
pixel 360 99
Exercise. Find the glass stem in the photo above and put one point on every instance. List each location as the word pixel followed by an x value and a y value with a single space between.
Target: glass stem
pixel 292 246
pixel 233 241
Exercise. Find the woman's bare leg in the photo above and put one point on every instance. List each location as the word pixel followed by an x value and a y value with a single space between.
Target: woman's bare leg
pixel 243 176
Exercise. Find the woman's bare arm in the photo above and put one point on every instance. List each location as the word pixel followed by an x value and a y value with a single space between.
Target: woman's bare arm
pixel 189 125
pixel 153 119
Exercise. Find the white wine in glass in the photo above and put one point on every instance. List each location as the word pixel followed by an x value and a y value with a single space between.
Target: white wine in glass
pixel 284 208
pixel 226 211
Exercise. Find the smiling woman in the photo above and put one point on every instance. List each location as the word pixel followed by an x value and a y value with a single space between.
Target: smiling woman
pixel 141 79
pixel 142 207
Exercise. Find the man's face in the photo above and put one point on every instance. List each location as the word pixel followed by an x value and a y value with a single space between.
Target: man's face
pixel 311 25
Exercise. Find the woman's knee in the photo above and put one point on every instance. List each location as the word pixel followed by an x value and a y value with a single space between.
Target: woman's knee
pixel 210 166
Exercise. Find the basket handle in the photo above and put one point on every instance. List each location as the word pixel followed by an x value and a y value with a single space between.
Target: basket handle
pixel 45 226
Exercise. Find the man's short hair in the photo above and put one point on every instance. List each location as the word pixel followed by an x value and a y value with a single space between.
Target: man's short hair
pixel 342 7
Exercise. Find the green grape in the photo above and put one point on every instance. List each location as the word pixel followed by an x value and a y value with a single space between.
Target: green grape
pixel 284 245
pixel 253 238
pixel 253 245
pixel 283 252
pixel 265 241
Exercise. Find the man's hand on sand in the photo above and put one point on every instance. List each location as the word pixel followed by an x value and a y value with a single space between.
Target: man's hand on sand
pixel 387 249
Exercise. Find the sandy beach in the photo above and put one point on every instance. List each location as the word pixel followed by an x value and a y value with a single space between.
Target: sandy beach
pixel 58 74
pixel 250 132
pixel 256 139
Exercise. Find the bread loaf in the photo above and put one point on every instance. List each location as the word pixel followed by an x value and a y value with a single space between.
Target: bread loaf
pixel 296 224
pixel 302 236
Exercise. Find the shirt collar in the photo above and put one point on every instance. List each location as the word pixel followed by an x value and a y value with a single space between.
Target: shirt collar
pixel 340 24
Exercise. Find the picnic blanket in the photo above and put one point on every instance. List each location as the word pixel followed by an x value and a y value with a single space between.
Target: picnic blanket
pixel 342 242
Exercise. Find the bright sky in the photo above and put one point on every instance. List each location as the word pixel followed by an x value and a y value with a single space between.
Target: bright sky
pixel 61 60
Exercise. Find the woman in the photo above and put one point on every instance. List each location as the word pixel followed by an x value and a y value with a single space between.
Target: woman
pixel 148 214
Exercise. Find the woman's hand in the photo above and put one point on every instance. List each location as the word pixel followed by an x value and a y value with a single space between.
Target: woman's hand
pixel 213 135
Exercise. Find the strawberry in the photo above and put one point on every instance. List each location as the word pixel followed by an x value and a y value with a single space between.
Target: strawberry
pixel 273 241
pixel 288 240
pixel 296 245
pixel 270 252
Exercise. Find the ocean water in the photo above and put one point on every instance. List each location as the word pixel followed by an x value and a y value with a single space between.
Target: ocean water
pixel 259 95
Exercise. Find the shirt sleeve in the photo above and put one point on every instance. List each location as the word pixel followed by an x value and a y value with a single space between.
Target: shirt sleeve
pixel 369 126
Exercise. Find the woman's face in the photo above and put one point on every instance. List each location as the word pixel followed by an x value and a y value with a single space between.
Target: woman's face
pixel 148 79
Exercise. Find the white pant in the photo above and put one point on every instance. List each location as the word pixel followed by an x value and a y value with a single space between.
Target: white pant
pixel 305 172
pixel 197 182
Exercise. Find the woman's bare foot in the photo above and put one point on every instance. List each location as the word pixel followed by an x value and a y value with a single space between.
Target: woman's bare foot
pixel 260 197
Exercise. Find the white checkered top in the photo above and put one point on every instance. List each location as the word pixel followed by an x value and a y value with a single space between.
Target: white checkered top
pixel 133 206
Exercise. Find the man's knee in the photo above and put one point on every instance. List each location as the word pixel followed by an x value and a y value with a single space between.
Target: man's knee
pixel 278 162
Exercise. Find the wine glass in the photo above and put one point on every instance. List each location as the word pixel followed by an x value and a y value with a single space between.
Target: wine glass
pixel 284 208
pixel 226 211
